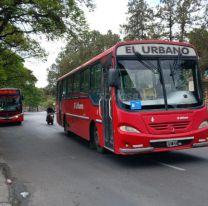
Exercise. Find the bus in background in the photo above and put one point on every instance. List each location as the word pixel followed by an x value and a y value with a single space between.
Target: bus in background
pixel 136 97
pixel 11 106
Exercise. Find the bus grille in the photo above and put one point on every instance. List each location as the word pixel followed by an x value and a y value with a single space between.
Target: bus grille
pixel 170 126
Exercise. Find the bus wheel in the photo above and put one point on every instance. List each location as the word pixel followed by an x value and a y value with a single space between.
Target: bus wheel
pixel 96 141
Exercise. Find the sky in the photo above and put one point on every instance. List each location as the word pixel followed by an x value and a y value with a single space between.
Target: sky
pixel 108 14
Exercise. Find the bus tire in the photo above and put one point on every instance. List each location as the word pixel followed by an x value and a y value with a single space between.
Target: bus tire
pixel 96 141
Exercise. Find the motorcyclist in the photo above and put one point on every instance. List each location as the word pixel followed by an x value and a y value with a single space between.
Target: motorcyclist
pixel 49 111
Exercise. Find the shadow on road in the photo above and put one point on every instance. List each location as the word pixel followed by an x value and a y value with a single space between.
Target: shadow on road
pixel 75 138
pixel 10 124
pixel 148 160
pixel 142 160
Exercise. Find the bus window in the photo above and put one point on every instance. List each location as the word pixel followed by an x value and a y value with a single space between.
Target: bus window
pixel 76 84
pixel 60 90
pixel 69 87
pixel 96 72
pixel 128 88
pixel 85 77
pixel 64 87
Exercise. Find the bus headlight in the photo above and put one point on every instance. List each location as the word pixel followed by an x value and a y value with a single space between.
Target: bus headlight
pixel 128 129
pixel 203 124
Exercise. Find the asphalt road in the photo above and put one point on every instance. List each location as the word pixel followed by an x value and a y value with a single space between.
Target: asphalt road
pixel 62 171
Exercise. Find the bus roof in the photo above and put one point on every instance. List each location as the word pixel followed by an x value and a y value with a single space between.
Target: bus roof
pixel 113 48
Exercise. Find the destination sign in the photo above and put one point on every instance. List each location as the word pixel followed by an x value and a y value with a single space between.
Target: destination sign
pixel 155 49
pixel 8 91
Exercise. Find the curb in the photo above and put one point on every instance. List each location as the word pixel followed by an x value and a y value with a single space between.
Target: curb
pixel 4 191
pixel 12 192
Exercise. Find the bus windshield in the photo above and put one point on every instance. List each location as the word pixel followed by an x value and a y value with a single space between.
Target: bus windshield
pixel 10 103
pixel 157 82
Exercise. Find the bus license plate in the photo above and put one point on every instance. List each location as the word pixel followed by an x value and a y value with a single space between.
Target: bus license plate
pixel 172 143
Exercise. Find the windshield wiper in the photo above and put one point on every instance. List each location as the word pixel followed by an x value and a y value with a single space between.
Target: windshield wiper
pixel 148 65
pixel 155 70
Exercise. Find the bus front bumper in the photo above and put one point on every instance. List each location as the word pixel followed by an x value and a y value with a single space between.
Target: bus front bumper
pixel 10 119
pixel 151 149
pixel 202 144
pixel 136 144
pixel 137 150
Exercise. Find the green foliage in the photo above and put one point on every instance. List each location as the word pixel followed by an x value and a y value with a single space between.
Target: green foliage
pixel 33 96
pixel 53 18
pixel 199 38
pixel 13 70
pixel 20 21
pixel 187 15
pixel 179 17
pixel 78 51
pixel 205 16
pixel 171 19
pixel 167 16
pixel 48 100
pixel 15 75
pixel 52 78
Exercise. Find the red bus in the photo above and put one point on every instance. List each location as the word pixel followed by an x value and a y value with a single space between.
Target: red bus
pixel 11 106
pixel 136 97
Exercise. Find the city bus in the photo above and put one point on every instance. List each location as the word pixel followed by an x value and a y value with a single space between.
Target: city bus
pixel 11 106
pixel 136 97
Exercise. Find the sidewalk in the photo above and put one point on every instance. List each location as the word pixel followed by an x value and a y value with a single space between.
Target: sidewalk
pixel 4 191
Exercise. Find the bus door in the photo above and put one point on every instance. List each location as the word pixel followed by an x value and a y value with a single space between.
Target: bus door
pixel 105 103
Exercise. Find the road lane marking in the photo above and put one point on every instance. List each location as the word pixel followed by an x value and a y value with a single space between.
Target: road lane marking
pixel 172 166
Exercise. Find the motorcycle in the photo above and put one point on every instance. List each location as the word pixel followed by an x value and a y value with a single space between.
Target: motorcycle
pixel 50 118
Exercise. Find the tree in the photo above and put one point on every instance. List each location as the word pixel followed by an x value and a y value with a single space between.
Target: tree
pixel 13 72
pixel 199 38
pixel 78 51
pixel 52 78
pixel 167 15
pixel 187 16
pixel 33 97
pixel 205 16
pixel 139 21
pixel 179 17
pixel 53 18
pixel 48 99
pixel 15 75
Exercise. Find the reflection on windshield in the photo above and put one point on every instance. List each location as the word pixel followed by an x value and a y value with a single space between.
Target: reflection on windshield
pixel 180 84
pixel 9 104
pixel 138 82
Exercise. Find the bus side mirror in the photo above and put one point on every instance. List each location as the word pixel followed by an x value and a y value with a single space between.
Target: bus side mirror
pixel 113 78
pixel 23 97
